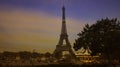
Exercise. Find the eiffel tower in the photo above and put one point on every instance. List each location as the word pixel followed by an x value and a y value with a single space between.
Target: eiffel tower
pixel 61 47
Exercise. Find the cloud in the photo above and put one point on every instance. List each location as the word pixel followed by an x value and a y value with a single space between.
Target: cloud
pixel 27 30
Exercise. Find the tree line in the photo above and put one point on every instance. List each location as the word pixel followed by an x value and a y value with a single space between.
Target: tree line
pixel 23 55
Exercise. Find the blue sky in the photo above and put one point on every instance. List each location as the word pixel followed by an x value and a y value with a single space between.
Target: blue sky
pixel 35 24
pixel 87 9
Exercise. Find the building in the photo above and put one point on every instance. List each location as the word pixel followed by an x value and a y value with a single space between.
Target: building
pixel 84 57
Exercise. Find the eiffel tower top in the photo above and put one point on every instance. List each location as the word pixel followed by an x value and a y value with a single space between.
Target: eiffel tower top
pixel 63 13
pixel 63 30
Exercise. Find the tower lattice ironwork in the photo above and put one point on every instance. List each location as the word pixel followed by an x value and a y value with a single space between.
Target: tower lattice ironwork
pixel 60 47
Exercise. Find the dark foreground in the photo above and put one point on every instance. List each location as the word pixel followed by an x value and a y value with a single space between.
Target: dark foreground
pixel 61 65
pixel 72 65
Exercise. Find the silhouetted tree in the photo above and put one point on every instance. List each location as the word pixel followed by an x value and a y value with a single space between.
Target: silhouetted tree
pixel 101 37
pixel 35 55
pixel 47 55
pixel 10 55
pixel 25 55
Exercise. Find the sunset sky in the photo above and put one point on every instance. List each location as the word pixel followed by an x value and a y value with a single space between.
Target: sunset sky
pixel 26 25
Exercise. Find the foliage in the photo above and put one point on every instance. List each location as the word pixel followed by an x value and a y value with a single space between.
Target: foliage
pixel 35 55
pixel 47 55
pixel 100 37
pixel 25 55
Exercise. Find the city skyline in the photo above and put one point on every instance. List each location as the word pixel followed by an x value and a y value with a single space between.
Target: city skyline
pixel 36 24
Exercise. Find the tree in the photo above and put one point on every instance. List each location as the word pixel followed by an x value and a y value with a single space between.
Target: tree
pixel 25 55
pixel 47 55
pixel 35 55
pixel 101 37
pixel 10 55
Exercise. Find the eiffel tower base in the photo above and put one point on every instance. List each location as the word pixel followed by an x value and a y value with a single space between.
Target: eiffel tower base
pixel 58 54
